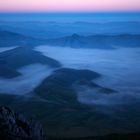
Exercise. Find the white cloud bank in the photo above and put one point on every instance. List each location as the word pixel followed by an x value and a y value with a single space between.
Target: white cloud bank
pixel 120 70
pixel 32 76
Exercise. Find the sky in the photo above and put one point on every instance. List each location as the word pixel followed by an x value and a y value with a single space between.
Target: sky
pixel 69 5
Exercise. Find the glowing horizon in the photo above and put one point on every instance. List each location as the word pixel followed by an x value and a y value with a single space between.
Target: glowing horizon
pixel 69 6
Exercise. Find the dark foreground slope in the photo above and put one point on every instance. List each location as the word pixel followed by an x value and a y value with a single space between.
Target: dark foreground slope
pixel 16 58
pixel 129 136
pixel 14 126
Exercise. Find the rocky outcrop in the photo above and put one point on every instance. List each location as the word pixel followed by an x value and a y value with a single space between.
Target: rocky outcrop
pixel 14 126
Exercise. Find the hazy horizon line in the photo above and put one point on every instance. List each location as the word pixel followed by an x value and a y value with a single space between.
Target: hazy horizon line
pixel 63 12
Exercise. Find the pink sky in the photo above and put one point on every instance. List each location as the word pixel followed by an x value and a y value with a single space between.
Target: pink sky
pixel 69 5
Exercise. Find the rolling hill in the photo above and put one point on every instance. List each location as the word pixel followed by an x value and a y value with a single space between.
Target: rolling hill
pixel 14 59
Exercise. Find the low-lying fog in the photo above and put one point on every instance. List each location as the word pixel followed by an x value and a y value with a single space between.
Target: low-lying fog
pixel 3 49
pixel 31 77
pixel 120 69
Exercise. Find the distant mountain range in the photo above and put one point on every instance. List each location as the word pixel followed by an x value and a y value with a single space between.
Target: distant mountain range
pixel 43 29
pixel 15 39
pixel 8 39
pixel 25 55
pixel 97 41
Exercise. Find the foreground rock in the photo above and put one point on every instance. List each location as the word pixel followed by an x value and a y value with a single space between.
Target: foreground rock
pixel 14 126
